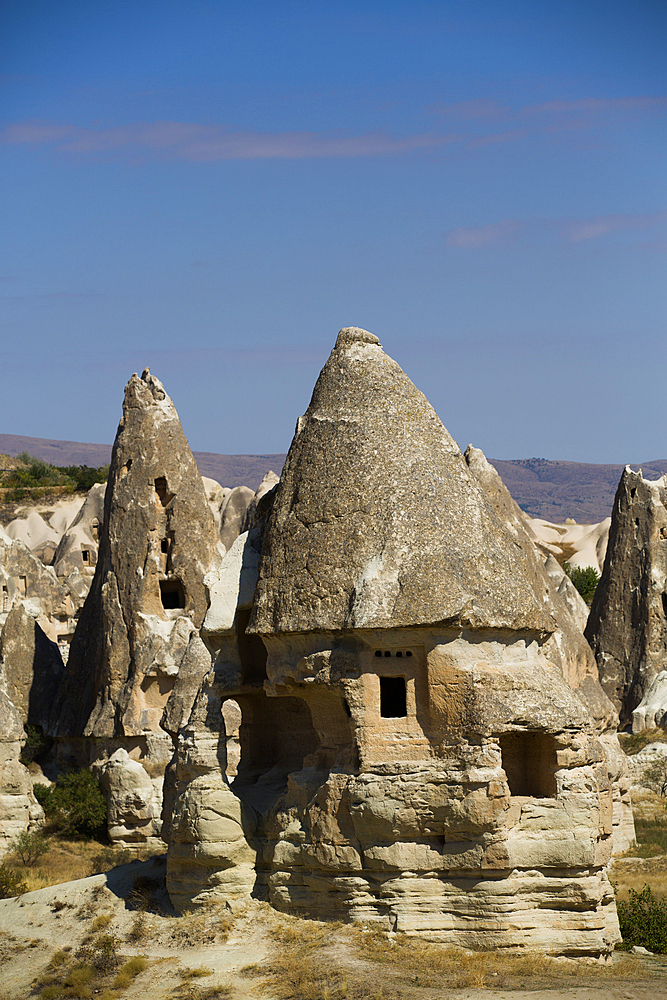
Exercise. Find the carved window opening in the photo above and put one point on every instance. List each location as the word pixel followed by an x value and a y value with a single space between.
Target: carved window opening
pixel 633 492
pixel 23 585
pixel 5 598
pixel 95 529
pixel 664 604
pixel 252 651
pixel 85 555
pixel 393 698
pixel 397 652
pixel 529 761
pixel 172 595
pixel 162 491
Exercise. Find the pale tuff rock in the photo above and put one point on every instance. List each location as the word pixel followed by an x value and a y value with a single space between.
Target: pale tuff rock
pixel 135 800
pixel 36 535
pixel 269 481
pixel 627 627
pixel 77 549
pixel 585 544
pixel 647 758
pixel 567 592
pixel 355 539
pixel 139 625
pixel 17 803
pixel 567 647
pixel 651 712
pixel 409 752
pixel 232 514
pixel 24 579
pixel 147 597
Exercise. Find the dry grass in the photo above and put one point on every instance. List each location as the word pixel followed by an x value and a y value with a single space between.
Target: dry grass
pixel 632 743
pixel 208 924
pixel 314 961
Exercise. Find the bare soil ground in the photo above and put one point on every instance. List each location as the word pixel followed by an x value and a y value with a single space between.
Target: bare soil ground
pixel 61 940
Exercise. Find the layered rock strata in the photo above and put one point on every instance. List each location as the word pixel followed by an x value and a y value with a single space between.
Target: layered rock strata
pixel 409 752
pixel 627 626
pixel 140 623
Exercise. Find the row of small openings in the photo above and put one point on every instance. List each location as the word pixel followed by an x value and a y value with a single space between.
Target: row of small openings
pixel 398 652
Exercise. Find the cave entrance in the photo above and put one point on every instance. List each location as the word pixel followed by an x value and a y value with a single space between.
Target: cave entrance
pixel 393 698
pixel 172 595
pixel 529 761
pixel 252 651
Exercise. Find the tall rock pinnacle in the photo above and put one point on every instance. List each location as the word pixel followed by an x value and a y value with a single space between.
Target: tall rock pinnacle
pixel 147 598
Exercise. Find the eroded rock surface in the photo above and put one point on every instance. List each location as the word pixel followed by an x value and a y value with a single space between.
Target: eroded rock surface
pixel 627 626
pixel 409 752
pixel 147 600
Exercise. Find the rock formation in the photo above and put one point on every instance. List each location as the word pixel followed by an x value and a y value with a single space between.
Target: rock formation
pixel 627 626
pixel 77 548
pixel 31 667
pixel 409 751
pixel 17 803
pixel 147 600
pixel 651 712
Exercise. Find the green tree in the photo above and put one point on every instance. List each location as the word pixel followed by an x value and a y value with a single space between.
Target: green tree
pixel 643 921
pixel 30 847
pixel 11 883
pixel 75 805
pixel 584 579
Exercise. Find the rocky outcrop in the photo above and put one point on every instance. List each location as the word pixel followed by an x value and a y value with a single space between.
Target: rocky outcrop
pixel 627 626
pixel 17 802
pixel 232 514
pixel 147 600
pixel 134 798
pixel 24 579
pixel 409 753
pixel 77 548
pixel 31 667
pixel 566 647
pixel 651 712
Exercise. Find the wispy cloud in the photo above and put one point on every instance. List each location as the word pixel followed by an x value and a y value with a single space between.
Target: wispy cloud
pixel 570 231
pixel 208 143
pixel 580 230
pixel 476 237
pixel 588 105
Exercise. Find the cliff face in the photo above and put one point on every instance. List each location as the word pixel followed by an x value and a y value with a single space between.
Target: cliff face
pixel 147 599
pixel 627 626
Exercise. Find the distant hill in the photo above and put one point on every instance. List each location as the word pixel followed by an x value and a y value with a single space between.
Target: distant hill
pixel 229 470
pixel 542 488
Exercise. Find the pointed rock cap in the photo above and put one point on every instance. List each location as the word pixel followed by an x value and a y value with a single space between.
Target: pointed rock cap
pixel 377 521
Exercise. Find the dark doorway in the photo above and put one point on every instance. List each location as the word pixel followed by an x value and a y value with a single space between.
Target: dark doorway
pixel 172 594
pixel 393 701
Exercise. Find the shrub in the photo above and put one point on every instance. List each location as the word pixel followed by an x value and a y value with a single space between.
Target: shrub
pixel 36 744
pixel 643 921
pixel 585 580
pixel 30 847
pixel 11 883
pixel 75 805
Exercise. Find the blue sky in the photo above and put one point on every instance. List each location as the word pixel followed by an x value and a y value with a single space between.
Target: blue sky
pixel 213 189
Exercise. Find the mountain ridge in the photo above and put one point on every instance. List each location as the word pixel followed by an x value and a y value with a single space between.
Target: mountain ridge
pixel 546 488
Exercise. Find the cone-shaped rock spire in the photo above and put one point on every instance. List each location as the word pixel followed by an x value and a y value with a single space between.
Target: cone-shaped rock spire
pixel 377 521
pixel 147 598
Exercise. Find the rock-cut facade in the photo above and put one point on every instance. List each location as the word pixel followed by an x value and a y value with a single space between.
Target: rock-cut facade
pixel 386 732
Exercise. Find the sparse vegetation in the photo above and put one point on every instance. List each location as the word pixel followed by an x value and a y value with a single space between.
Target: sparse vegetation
pixel 75 805
pixel 584 579
pixel 30 847
pixel 33 477
pixel 11 883
pixel 632 743
pixel 36 745
pixel 643 921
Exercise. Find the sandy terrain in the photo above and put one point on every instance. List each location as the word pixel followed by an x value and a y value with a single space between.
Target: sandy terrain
pixel 293 958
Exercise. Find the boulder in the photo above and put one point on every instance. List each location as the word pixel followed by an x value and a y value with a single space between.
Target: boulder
pixel 627 625
pixel 651 712
pixel 134 800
